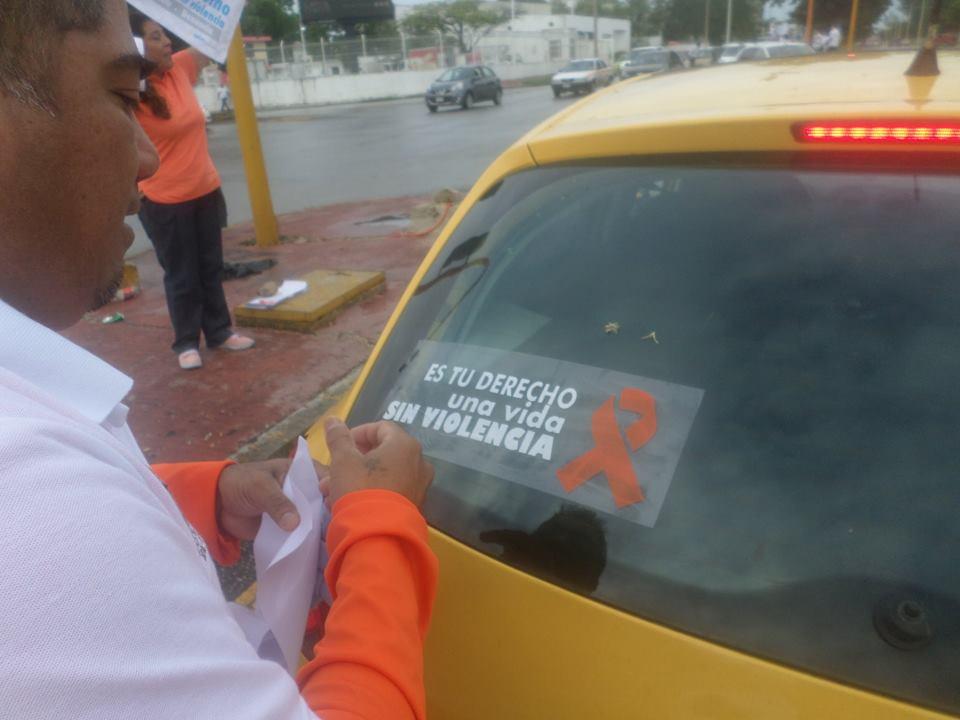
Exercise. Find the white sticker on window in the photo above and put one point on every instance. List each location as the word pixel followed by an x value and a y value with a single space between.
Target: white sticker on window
pixel 604 439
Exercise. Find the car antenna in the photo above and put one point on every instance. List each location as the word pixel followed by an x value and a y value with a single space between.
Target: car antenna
pixel 925 62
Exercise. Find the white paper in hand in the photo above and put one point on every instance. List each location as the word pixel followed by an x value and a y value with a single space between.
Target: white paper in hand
pixel 207 26
pixel 288 563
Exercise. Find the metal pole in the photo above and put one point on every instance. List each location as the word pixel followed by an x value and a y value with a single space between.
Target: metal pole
pixel 729 19
pixel 441 60
pixel 403 49
pixel 303 34
pixel 283 55
pixel 363 44
pixel 851 33
pixel 264 219
pixel 923 11
pixel 808 34
pixel 323 55
pixel 596 35
pixel 513 10
pixel 706 25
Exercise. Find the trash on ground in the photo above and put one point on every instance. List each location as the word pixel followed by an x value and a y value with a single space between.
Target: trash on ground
pixel 289 289
pixel 234 270
pixel 126 293
pixel 268 289
pixel 115 318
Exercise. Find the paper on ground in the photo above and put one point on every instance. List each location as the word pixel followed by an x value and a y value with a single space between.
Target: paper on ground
pixel 287 290
pixel 207 26
pixel 289 569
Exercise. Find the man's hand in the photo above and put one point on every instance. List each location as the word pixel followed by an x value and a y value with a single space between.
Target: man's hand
pixel 377 456
pixel 248 490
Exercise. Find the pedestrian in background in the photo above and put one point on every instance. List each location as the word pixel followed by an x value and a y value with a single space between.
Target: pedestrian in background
pixel 183 209
pixel 833 39
pixel 223 95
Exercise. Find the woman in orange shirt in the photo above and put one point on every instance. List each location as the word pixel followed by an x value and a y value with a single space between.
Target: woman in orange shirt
pixel 182 204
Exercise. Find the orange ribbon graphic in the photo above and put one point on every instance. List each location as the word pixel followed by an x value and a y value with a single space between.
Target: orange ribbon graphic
pixel 609 454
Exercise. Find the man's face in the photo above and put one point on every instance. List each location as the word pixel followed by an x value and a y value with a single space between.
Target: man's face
pixel 67 182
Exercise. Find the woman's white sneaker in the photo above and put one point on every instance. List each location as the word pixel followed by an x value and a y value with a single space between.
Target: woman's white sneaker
pixel 190 360
pixel 237 343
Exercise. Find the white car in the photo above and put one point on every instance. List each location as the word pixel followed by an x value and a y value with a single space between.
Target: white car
pixel 771 50
pixel 581 76
pixel 731 52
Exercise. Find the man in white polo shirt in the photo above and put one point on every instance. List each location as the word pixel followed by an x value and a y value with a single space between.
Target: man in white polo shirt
pixel 110 603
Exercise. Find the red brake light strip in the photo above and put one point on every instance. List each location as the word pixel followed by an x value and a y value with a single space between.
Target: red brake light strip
pixel 892 133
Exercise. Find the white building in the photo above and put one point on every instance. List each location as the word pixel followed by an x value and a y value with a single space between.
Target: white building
pixel 543 38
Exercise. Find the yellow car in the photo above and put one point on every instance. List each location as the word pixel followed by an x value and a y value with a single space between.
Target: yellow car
pixel 687 362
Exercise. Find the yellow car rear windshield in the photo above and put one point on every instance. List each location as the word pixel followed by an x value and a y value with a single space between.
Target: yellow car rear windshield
pixel 722 398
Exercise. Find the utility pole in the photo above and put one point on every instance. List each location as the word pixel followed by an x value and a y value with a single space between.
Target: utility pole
pixel 923 11
pixel 729 19
pixel 596 36
pixel 303 33
pixel 706 25
pixel 808 35
pixel 264 219
pixel 851 33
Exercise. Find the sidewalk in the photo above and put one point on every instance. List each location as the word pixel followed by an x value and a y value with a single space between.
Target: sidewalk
pixel 215 412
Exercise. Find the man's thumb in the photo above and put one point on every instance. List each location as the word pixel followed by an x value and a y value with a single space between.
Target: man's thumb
pixel 278 506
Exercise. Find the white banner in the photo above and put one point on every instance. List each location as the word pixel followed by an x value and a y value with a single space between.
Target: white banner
pixel 207 25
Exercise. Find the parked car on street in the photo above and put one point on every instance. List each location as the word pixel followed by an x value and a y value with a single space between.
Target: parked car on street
pixel 685 362
pixel 705 55
pixel 582 76
pixel 650 61
pixel 464 86
pixel 730 53
pixel 771 50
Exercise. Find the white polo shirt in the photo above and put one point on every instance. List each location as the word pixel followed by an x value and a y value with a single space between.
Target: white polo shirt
pixel 109 607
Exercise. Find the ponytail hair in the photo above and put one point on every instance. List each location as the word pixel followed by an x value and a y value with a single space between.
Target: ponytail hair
pixel 149 97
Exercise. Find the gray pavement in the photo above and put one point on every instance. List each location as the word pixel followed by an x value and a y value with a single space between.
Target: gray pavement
pixel 344 153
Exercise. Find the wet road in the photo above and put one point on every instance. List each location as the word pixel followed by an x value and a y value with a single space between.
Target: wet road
pixel 343 153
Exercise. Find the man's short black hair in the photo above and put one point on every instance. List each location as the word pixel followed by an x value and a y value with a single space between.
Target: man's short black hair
pixel 30 34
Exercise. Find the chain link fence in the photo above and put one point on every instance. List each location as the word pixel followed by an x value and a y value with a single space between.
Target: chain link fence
pixel 363 55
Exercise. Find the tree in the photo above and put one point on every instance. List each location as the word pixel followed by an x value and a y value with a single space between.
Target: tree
pixel 643 21
pixel 683 20
pixel 378 28
pixel 605 8
pixel 465 20
pixel 828 13
pixel 275 18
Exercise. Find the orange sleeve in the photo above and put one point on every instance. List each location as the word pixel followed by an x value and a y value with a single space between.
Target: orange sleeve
pixel 188 63
pixel 383 578
pixel 194 487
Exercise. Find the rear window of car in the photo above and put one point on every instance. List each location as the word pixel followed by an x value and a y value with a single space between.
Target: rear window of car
pixel 724 399
pixel 455 74
pixel 649 58
pixel 579 66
